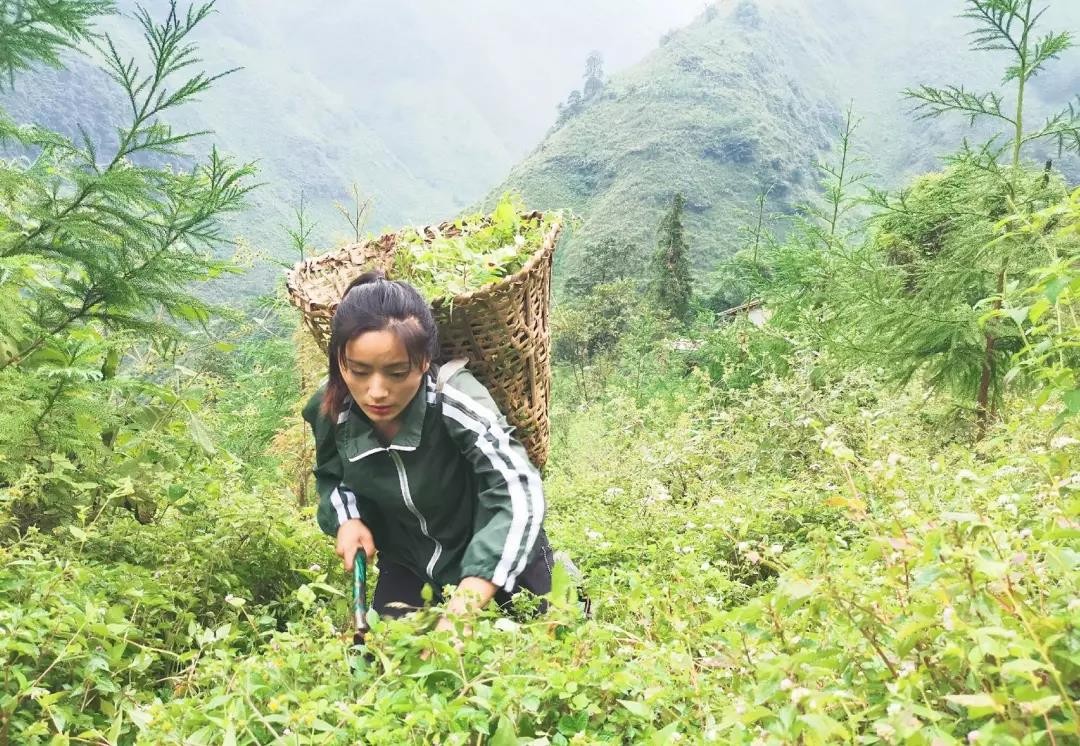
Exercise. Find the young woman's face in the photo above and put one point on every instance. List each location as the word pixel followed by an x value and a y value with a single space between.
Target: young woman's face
pixel 379 376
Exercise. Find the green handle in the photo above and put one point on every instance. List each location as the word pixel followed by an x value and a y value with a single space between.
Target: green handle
pixel 360 596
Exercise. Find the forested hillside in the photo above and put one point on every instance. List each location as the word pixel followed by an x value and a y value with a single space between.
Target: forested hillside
pixel 846 513
pixel 746 101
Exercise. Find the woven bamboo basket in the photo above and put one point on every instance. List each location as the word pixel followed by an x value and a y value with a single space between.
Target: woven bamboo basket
pixel 502 329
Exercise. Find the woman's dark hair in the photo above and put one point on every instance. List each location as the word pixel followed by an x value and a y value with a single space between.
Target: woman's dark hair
pixel 373 303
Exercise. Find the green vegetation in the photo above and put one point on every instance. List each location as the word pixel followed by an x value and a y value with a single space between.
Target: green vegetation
pixel 670 280
pixel 789 534
pixel 477 250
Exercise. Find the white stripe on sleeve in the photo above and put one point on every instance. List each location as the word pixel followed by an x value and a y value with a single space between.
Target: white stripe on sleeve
pixel 530 478
pixel 504 575
pixel 528 473
pixel 339 506
pixel 351 508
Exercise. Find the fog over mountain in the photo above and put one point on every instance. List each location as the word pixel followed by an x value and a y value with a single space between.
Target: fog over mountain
pixel 425 105
pixel 751 96
pixel 428 106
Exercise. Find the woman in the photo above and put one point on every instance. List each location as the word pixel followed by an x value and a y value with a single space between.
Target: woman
pixel 425 473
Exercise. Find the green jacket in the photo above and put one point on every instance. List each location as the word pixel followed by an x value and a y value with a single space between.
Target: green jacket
pixel 453 496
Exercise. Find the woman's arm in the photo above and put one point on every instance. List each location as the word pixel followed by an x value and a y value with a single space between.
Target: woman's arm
pixel 339 513
pixel 510 496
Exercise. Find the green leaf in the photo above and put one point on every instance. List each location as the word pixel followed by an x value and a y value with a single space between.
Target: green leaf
pixel 1021 667
pixel 976 704
pixel 1039 707
pixel 1063 558
pixel 823 727
pixel 201 435
pixel 1038 309
pixel 1072 401
pixel 990 567
pixel 305 596
pixel 798 589
pixel 668 734
pixel 640 709
pixel 1018 315
pixel 505 734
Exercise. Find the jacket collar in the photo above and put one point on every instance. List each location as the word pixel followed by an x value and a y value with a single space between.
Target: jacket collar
pixel 357 435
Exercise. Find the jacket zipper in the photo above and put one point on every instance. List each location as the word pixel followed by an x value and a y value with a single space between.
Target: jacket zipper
pixel 406 495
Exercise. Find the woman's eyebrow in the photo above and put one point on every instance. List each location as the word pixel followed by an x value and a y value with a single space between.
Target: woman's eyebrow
pixel 361 364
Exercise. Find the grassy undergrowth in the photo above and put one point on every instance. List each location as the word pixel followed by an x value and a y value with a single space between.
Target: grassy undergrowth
pixel 810 559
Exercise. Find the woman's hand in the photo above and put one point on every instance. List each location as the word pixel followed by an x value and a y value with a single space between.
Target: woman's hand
pixel 352 536
pixel 472 594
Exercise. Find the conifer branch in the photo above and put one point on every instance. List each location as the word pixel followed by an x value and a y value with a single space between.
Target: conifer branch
pixel 995 19
pixel 937 101
pixel 36 31
pixel 1046 49
pixel 1064 127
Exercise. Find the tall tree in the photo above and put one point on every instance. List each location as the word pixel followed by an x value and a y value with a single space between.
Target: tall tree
pixel 943 250
pixel 1006 25
pixel 112 243
pixel 671 287
pixel 100 245
pixel 594 75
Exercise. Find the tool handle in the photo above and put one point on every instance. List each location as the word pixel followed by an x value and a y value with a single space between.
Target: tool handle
pixel 360 592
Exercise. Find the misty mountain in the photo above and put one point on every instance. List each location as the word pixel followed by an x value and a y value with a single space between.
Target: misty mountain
pixel 748 99
pixel 424 105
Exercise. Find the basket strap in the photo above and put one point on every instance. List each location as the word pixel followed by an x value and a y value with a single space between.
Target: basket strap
pixel 448 369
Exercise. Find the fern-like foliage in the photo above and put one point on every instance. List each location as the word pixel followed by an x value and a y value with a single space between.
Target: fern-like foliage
pixel 121 241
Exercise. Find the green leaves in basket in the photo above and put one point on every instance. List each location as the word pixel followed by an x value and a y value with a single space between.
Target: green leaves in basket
pixel 480 251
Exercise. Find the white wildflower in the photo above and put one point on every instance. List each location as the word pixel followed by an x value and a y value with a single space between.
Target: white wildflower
pixel 786 684
pixel 315 568
pixel 973 736
pixel 966 475
pixel 885 731
pixel 753 556
pixel 948 619
pixel 506 625
pixel 657 493
pixel 1074 604
pixel 744 546
pixel 593 535
pixel 1025 533
pixel 776 549
pixel 1062 441
pixel 798 694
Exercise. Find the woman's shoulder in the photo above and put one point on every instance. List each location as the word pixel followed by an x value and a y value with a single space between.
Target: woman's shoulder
pixel 464 391
pixel 312 411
